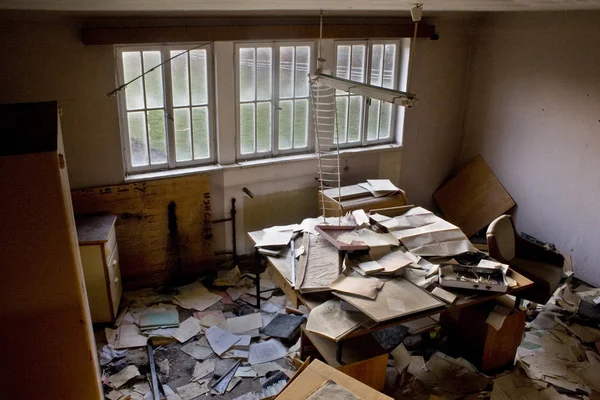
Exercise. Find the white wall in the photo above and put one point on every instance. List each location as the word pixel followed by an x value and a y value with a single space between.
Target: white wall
pixel 45 60
pixel 534 114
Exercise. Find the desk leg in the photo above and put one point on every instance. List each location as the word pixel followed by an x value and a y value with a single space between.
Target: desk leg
pixel 257 279
pixel 338 352
pixel 518 302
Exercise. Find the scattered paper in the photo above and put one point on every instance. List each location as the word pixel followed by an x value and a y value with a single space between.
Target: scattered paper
pixel 364 287
pixel 245 323
pixel 370 267
pixel 394 261
pixel 245 372
pixel 368 237
pixel 123 376
pixel 292 227
pixel 128 335
pixel 361 218
pixel 171 395
pixel 235 353
pixel 445 295
pixel 328 319
pixel 204 368
pixel 228 277
pixel 195 296
pixel 109 353
pixel 275 239
pixel 270 350
pixel 236 292
pixel 233 382
pixel 187 329
pixel 196 350
pixel 210 318
pixel 497 317
pixel 192 390
pixel 220 340
pixel 402 357
pixel 263 368
pixel 382 185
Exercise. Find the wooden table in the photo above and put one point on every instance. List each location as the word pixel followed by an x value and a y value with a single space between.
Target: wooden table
pixel 279 270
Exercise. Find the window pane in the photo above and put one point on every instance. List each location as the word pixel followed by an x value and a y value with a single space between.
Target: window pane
pixel 154 82
pixel 264 73
pixel 357 70
pixel 247 71
pixel 286 117
pixel 377 65
pixel 300 123
pixel 247 128
pixel 157 137
pixel 389 66
pixel 138 141
pixel 385 124
pixel 181 79
pixel 355 118
pixel 199 77
pixel 132 68
pixel 373 125
pixel 263 127
pixel 200 125
pixel 343 62
pixel 183 135
pixel 286 72
pixel 341 118
pixel 302 69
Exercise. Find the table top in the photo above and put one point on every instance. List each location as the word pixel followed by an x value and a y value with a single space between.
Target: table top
pixel 466 298
pixel 93 229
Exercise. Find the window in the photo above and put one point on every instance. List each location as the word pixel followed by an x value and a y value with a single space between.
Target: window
pixel 166 115
pixel 273 99
pixel 362 121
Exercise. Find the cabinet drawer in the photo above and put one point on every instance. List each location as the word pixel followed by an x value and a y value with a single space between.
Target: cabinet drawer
pixel 110 245
pixel 114 275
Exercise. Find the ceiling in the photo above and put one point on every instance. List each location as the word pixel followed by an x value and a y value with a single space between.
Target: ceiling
pixel 330 6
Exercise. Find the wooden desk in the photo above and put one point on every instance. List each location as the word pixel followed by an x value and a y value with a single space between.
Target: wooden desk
pixel 279 269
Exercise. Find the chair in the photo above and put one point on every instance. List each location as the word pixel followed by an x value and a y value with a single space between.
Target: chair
pixel 542 266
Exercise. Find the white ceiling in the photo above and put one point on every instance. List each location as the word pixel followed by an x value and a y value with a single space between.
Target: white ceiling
pixel 298 5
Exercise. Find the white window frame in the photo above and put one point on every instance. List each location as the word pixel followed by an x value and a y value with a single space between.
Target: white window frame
pixel 275 151
pixel 365 106
pixel 172 163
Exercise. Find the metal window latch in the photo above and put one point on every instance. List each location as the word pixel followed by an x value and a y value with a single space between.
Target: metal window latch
pixel 169 116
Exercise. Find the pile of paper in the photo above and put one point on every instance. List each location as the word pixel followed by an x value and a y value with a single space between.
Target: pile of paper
pixel 379 187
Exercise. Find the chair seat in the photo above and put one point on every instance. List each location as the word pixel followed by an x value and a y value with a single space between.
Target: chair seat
pixel 546 276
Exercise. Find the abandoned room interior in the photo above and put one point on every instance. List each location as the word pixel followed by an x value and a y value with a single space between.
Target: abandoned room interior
pixel 300 199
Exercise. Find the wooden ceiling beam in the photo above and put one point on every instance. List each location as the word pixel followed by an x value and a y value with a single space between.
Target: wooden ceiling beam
pixel 370 28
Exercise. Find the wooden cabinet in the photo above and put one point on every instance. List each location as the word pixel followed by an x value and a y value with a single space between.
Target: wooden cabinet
pixel 46 329
pixel 100 259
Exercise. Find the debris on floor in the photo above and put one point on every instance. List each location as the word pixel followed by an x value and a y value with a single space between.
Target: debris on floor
pixel 205 341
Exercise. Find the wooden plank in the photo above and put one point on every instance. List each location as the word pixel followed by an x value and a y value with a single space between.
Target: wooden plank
pixel 363 28
pixel 164 227
pixel 397 298
pixel 317 374
pixel 473 198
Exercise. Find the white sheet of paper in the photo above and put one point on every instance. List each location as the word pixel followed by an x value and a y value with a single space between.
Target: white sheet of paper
pixel 497 317
pixel 393 261
pixel 245 323
pixel 275 239
pixel 187 329
pixel 263 368
pixel 192 390
pixel 122 377
pixel 246 372
pixel 283 228
pixel 196 350
pixel 402 357
pixel 328 319
pixel 445 295
pixel 243 343
pixel 270 350
pixel 220 340
pixel 382 185
pixel 201 369
pixel 370 267
pixel 128 335
pixel 195 296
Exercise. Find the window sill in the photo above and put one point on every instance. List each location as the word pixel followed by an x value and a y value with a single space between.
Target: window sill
pixel 206 169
